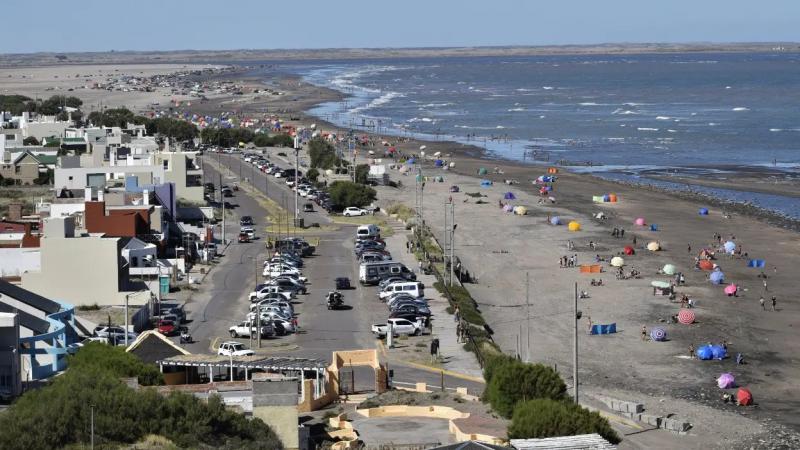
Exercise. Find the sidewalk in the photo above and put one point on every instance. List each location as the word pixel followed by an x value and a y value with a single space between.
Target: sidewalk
pixel 454 357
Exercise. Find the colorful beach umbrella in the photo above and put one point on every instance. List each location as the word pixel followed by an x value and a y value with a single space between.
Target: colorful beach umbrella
pixel 731 289
pixel 726 381
pixel 658 334
pixel 744 397
pixel 686 316
pixel 660 284
pixel 617 261
pixel 669 269
pixel 639 221
pixel 509 196
pixel 717 277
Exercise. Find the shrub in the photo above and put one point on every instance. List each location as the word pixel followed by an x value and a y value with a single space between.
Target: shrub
pixel 312 174
pixel 466 305
pixel 116 361
pixel 362 173
pixel 322 154
pixel 542 418
pixel 347 193
pixel 514 382
pixel 403 212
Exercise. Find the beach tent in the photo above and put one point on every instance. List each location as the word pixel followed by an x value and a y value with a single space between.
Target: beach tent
pixel 731 289
pixel 486 183
pixel 411 161
pixel 757 263
pixel 520 210
pixel 706 264
pixel 574 226
pixel 452 164
pixel 726 381
pixel 482 171
pixel 552 170
pixel 597 198
pixel 600 216
pixel 719 352
pixel 617 261
pixel 606 198
pixel 438 163
pixel 654 246
pixel 729 246
pixel 628 250
pixel 654 227
pixel 686 316
pixel 439 179
pixel 669 269
pixel 703 211
pixel 660 284
pixel 420 178
pixel 555 220
pixel 639 221
pixel 509 196
pixel 658 334
pixel 704 352
pixel 604 329
pixel 508 208
pixel 717 277
pixel 403 169
pixel 612 198
pixel 744 397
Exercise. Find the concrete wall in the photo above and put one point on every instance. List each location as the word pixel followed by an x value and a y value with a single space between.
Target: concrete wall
pixel 79 270
pixel 275 402
pixel 16 261
pixel 77 178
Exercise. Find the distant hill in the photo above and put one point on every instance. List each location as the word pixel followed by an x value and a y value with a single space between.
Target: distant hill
pixel 243 55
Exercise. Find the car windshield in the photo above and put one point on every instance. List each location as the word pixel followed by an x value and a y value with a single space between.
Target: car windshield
pixel 237 347
pixel 166 323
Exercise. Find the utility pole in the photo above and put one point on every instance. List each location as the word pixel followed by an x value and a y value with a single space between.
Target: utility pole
pixel 92 427
pixel 258 324
pixel 296 179
pixel 528 313
pixel 126 318
pixel 575 349
pixel 452 243
pixel 446 239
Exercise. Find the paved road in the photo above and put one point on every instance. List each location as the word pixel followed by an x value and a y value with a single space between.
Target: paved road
pixel 224 300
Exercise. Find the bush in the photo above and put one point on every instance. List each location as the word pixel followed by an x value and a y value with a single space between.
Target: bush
pixel 362 173
pixel 347 193
pixel 312 175
pixel 322 154
pixel 514 382
pixel 403 212
pixel 466 305
pixel 58 415
pixel 278 140
pixel 542 418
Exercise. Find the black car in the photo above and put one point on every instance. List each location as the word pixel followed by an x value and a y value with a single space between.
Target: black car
pixel 342 283
pixel 246 221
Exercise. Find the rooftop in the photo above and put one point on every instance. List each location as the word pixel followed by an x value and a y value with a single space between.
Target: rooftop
pixel 249 362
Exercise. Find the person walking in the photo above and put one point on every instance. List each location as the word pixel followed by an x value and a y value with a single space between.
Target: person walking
pixel 766 289
pixel 691 351
pixel 589 322
pixel 774 302
pixel 457 315
pixel 761 302
pixel 434 349
pixel 689 248
pixel 644 333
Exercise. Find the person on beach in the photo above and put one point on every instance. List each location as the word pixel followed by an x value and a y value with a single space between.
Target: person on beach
pixel 689 248
pixel 761 302
pixel 774 302
pixel 634 240
pixel 622 233
pixel 691 352
pixel 589 323
pixel 644 333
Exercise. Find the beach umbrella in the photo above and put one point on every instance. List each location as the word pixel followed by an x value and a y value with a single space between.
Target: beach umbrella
pixel 725 381
pixel 660 284
pixel 669 269
pixel 654 246
pixel 423 147
pixel 422 154
pixel 706 264
pixel 520 210
pixel 437 154
pixel 411 161
pixel 509 196
pixel 486 183
pixel 508 208
pixel 719 352
pixel 617 261
pixel 744 397
pixel 639 221
pixel 717 277
pixel 729 246
pixel 703 211
pixel 574 226
pixel 482 171
pixel 658 334
pixel 555 220
pixel 628 250
pixel 686 316
pixel 704 352
pixel 731 289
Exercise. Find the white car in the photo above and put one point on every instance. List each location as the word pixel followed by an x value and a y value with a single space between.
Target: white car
pixel 234 349
pixel 399 327
pixel 114 332
pixel 353 211
pixel 266 290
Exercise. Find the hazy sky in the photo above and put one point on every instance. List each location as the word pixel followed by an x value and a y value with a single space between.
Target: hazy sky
pixel 101 25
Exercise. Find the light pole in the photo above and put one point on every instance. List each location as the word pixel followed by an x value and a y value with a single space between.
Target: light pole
pixel 577 316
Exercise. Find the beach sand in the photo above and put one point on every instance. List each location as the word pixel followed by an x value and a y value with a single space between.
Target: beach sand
pixel 499 248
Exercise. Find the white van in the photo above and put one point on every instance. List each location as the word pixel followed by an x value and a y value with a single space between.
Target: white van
pixel 368 232
pixel 413 288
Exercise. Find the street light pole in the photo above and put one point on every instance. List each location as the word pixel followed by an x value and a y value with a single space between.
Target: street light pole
pixel 577 317
pixel 528 313
pixel 126 319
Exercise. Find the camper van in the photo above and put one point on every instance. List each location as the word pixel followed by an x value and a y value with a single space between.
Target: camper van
pixel 373 272
pixel 368 232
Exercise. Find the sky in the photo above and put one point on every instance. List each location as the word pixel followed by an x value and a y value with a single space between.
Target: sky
pixel 103 25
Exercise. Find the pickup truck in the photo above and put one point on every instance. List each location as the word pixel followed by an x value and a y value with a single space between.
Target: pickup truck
pixel 399 326
pixel 244 329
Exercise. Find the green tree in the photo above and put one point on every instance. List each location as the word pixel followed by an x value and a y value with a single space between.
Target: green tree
pixel 322 154
pixel 347 193
pixel 362 173
pixel 16 104
pixel 514 382
pixel 115 117
pixel 116 361
pixel 30 140
pixel 312 174
pixel 542 418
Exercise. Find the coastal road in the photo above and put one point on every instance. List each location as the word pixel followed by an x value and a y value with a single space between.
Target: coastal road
pixel 224 300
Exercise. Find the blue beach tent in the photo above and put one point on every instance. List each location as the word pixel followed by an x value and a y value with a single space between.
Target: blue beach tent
pixel 757 263
pixel 703 211
pixel 717 277
pixel 486 183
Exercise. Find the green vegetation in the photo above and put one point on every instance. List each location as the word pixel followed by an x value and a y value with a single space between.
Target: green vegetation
pixel 467 307
pixel 45 178
pixel 362 173
pixel 17 104
pixel 513 381
pixel 58 415
pixel 30 140
pixel 278 140
pixel 312 175
pixel 114 117
pixel 542 418
pixel 347 193
pixel 322 154
pixel 226 137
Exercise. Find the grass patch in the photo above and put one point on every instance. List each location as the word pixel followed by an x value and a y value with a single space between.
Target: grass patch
pixel 466 305
pixel 386 230
pixel 402 211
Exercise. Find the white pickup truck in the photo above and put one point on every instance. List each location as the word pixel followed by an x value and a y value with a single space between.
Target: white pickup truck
pixel 399 326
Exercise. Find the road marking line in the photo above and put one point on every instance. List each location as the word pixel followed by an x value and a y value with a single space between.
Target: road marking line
pixel 214 344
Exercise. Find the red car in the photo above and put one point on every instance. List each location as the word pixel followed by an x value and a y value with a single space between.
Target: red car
pixel 167 327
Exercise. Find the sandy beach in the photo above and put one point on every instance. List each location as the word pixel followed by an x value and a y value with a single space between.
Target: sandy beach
pixel 499 248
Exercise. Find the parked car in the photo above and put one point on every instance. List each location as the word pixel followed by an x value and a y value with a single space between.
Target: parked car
pixel 308 207
pixel 353 211
pixel 399 327
pixel 113 332
pixel 234 349
pixel 167 327
pixel 342 283
pixel 246 221
pixel 248 329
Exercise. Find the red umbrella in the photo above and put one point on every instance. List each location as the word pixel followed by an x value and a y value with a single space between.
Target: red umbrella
pixel 686 316
pixel 744 397
pixel 629 250
pixel 706 264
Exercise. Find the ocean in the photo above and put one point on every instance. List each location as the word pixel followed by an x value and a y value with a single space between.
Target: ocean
pixel 621 114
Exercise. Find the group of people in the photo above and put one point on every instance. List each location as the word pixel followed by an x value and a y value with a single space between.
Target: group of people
pixel 618 232
pixel 568 261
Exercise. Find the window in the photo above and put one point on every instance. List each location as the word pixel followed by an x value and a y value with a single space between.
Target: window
pixel 70 178
pixel 134 261
pixel 166 164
